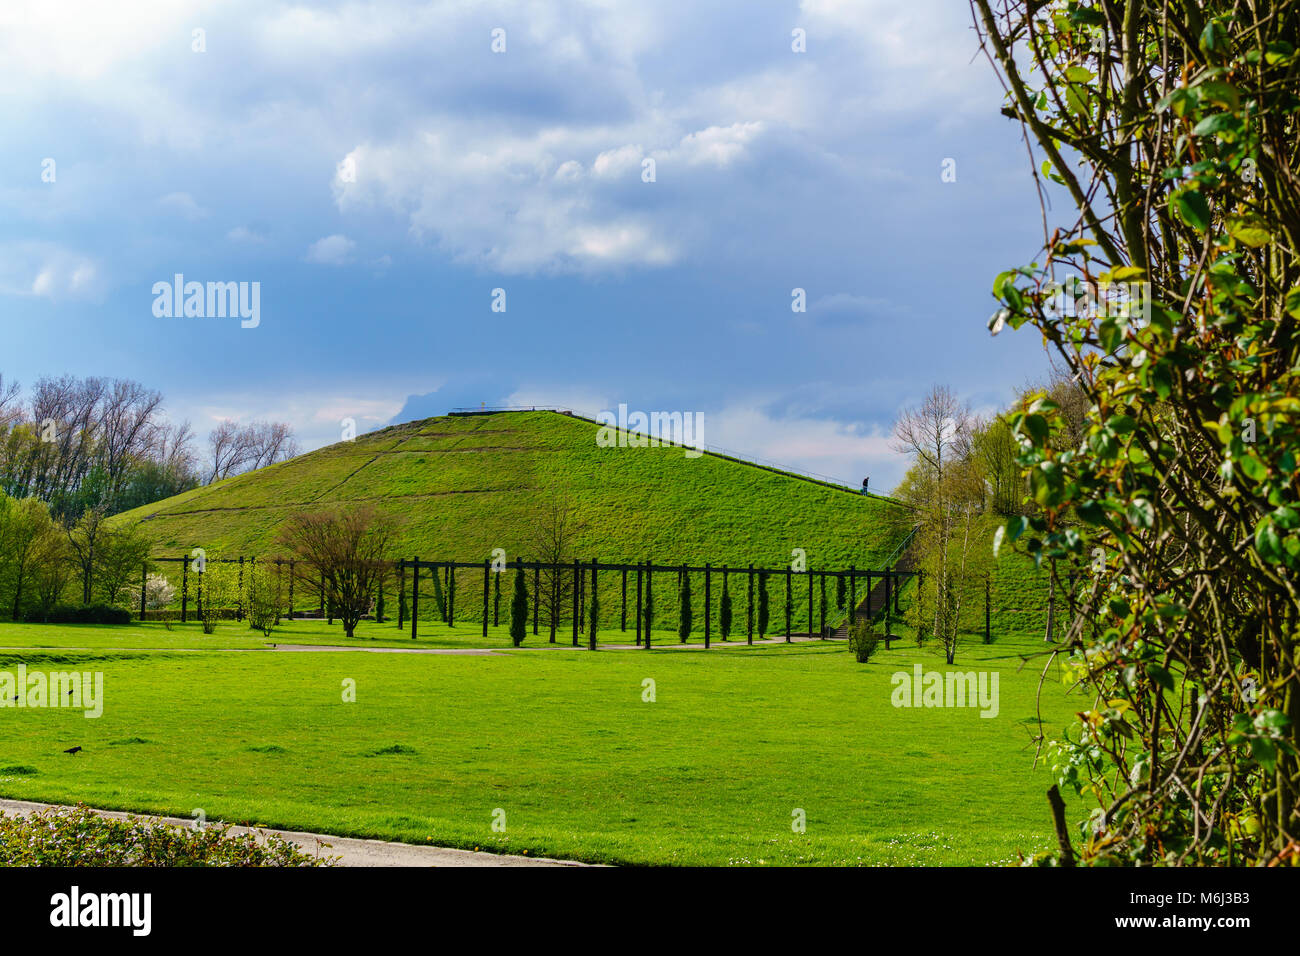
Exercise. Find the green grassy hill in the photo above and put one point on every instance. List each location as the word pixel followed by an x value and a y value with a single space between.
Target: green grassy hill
pixel 460 486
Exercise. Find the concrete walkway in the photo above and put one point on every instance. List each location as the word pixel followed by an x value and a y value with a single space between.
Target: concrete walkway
pixel 350 850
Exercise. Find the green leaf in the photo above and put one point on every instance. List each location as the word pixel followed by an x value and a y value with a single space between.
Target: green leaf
pixel 1160 676
pixel 1193 209
pixel 1141 513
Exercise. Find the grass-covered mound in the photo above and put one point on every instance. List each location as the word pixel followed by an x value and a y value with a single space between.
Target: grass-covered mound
pixel 460 486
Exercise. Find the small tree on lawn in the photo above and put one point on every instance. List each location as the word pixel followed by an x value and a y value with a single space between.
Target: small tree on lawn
pixel 684 617
pixel 762 604
pixel 519 609
pixel 347 550
pixel 724 610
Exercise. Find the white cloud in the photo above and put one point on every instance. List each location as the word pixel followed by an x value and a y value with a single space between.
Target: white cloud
pixel 845 451
pixel 335 250
pixel 183 205
pixel 245 234
pixel 50 271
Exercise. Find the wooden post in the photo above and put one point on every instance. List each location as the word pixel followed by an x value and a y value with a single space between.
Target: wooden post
pixel 889 580
pixel 728 593
pixel 638 606
pixel 749 627
pixel 853 595
pixel 809 572
pixel 401 593
pixel 451 593
pixel 415 595
pixel 649 596
pixel 707 570
pixel 185 586
pixel 622 622
pixel 487 572
pixel 594 623
pixel 577 588
pixel 537 593
pixel 789 600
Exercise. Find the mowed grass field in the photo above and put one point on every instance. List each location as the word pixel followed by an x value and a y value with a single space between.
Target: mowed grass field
pixel 736 742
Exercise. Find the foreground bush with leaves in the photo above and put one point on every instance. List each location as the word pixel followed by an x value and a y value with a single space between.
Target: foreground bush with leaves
pixel 1172 128
pixel 76 836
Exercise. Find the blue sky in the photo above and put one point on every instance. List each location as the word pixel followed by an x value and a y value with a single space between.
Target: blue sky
pixel 379 170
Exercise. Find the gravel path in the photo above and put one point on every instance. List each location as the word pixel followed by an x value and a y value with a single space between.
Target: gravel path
pixel 352 851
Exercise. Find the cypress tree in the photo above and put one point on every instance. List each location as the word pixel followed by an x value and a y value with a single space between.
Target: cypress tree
pixel 762 604
pixel 684 616
pixel 840 596
pixel 724 610
pixel 594 618
pixel 518 608
pixel 496 599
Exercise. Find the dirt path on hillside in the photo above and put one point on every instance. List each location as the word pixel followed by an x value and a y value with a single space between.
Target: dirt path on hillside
pixel 350 850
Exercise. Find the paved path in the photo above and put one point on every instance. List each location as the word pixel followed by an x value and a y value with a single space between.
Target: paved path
pixel 351 851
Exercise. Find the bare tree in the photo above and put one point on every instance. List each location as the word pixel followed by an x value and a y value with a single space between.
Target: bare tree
pixel 346 551
pixel 269 443
pixel 10 407
pixel 234 448
pixel 937 436
pixel 556 528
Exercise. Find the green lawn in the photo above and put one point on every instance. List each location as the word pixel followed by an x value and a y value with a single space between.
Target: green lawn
pixel 562 742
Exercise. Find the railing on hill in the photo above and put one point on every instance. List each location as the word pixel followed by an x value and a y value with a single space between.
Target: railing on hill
pixel 714 450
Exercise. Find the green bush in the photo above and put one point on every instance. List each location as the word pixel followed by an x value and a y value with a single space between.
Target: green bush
pixel 863 640
pixel 79 614
pixel 76 836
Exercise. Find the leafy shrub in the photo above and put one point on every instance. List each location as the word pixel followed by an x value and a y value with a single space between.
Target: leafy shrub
pixel 76 836
pixel 863 640
pixel 79 614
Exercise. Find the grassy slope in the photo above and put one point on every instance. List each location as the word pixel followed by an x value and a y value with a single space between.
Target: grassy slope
pixel 562 741
pixel 461 486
